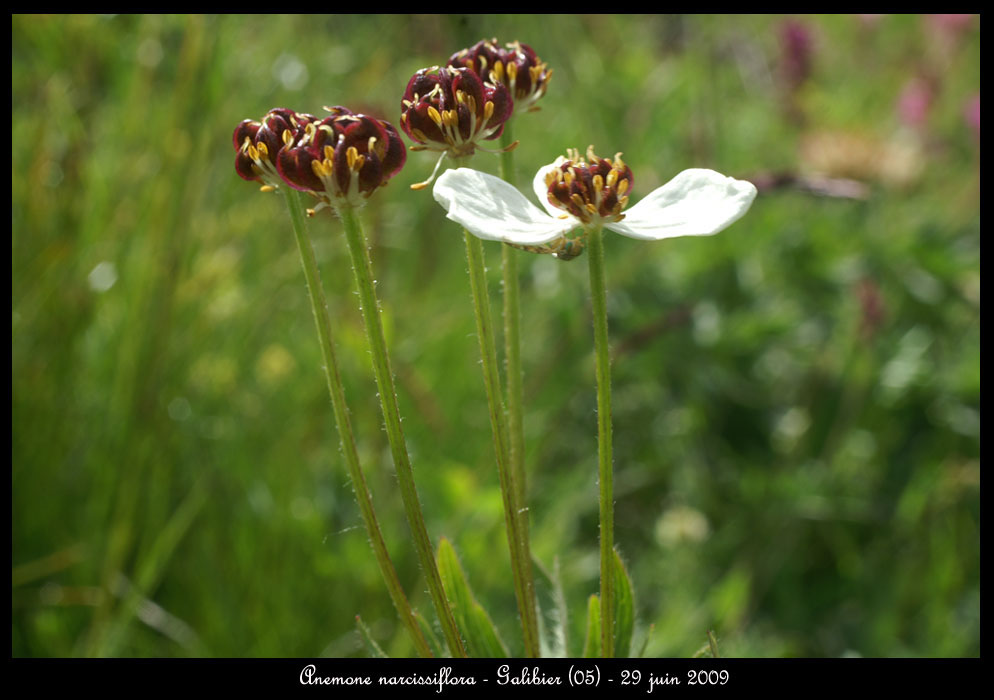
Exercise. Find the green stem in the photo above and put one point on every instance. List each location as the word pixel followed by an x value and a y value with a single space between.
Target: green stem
pixel 370 308
pixel 515 391
pixel 321 318
pixel 520 560
pixel 598 298
pixel 512 355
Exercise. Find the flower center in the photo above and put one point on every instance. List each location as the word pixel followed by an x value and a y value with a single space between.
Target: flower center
pixel 594 190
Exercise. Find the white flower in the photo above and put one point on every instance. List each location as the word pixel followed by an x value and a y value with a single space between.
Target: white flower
pixel 697 202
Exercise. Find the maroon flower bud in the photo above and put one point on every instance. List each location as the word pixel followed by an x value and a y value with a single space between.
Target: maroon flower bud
pixel 257 144
pixel 452 109
pixel 516 66
pixel 343 158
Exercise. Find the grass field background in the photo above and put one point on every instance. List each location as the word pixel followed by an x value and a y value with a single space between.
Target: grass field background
pixel 796 400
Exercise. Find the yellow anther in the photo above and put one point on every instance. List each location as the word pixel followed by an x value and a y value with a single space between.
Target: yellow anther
pixel 329 153
pixel 624 202
pixel 571 176
pixel 287 137
pixel 512 72
pixel 434 115
pixel 351 155
pixel 311 212
pixel 591 208
pixel 577 200
pixel 460 96
pixel 498 71
pixel 612 178
pixel 488 110
pixel 317 168
pixel 419 135
pixel 419 185
pixel 471 103
pixel 267 188
pixel 618 163
pixel 622 187
pixel 371 144
pixel 263 150
pixel 591 156
pixel 598 184
pixel 552 176
pixel 253 153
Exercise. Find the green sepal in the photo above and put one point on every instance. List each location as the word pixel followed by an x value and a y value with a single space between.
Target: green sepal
pixel 476 626
pixel 624 609
pixel 592 645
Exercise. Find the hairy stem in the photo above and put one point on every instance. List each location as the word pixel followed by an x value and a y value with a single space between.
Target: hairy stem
pixel 321 318
pixel 370 308
pixel 598 298
pixel 520 559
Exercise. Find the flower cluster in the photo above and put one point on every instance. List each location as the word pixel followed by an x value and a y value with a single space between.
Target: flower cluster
pixel 451 110
pixel 516 66
pixel 340 159
pixel 343 158
pixel 257 144
pixel 580 194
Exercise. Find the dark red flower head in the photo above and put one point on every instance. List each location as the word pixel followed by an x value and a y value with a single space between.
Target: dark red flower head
pixel 343 158
pixel 515 66
pixel 451 109
pixel 593 189
pixel 257 144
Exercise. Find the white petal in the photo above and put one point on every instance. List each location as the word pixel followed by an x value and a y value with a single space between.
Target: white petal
pixel 542 190
pixel 697 202
pixel 493 210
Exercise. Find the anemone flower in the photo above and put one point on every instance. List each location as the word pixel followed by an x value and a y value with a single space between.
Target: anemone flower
pixel 579 194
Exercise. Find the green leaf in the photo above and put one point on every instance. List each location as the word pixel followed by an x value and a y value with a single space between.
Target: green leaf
pixel 430 636
pixel 624 609
pixel 592 645
pixel 555 644
pixel 478 629
pixel 374 649
pixel 645 642
pixel 713 643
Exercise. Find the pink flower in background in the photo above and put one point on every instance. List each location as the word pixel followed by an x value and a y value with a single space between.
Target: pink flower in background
pixel 915 101
pixel 950 23
pixel 795 53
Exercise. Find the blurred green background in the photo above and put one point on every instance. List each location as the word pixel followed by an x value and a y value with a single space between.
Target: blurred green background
pixel 796 403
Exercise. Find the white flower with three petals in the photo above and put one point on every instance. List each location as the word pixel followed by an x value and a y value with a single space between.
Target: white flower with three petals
pixel 697 202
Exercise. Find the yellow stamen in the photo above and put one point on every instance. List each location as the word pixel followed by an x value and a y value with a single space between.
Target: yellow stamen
pixel 329 153
pixel 488 110
pixel 267 188
pixel 499 71
pixel 287 137
pixel 622 187
pixel 351 155
pixel 612 178
pixel 434 115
